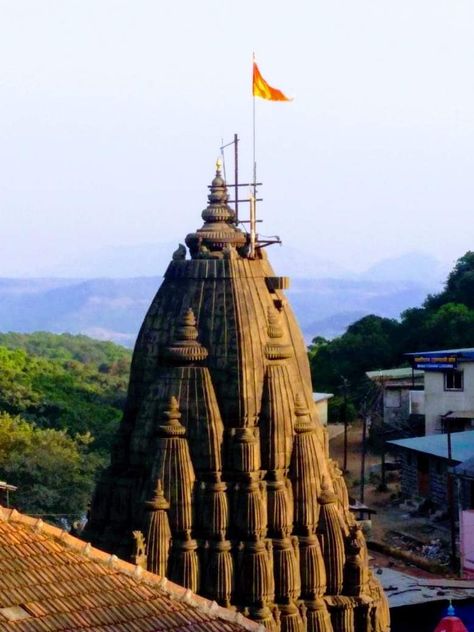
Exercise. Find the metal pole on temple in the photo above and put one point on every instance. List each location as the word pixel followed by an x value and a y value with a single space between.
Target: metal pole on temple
pixel 236 177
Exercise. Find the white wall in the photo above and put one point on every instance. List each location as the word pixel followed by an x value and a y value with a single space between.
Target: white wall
pixel 439 402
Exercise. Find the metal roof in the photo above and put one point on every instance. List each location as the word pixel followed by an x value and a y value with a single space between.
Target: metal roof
pixel 465 469
pixel 396 374
pixel 466 353
pixel 321 397
pixel 406 590
pixel 462 445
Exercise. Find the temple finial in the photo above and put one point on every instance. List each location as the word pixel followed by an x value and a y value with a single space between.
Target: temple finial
pixel 218 167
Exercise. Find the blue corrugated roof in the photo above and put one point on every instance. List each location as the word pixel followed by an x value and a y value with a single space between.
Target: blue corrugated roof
pixel 462 445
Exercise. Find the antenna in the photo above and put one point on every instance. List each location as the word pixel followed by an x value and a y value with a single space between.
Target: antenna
pixel 254 241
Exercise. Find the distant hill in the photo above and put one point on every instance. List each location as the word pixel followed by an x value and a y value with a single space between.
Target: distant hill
pixel 113 309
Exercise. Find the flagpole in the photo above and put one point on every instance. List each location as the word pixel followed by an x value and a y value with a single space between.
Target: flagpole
pixel 253 198
pixel 254 143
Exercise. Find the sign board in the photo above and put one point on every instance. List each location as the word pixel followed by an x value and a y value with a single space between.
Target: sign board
pixel 435 363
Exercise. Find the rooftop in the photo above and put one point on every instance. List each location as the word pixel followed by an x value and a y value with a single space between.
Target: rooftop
pixel 394 374
pixel 467 353
pixel 403 589
pixel 321 397
pixel 462 445
pixel 50 580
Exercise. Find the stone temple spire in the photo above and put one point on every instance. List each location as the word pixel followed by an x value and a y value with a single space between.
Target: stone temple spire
pixel 220 460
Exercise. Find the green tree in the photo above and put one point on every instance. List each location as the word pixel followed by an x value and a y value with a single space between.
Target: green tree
pixel 446 320
pixel 54 473
pixel 64 393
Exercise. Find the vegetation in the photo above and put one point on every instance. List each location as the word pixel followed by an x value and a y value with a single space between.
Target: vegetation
pixel 61 400
pixel 65 382
pixel 445 321
pixel 54 472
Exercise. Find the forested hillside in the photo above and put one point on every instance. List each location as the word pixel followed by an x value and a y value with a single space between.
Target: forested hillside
pixel 61 400
pixel 445 321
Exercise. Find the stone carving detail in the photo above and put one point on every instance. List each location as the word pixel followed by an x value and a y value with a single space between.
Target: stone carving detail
pixel 175 469
pixel 183 565
pixel 304 471
pixel 158 532
pixel 140 549
pixel 220 459
pixel 331 536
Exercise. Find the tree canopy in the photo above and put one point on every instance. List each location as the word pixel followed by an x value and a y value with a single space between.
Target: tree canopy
pixel 54 472
pixel 64 382
pixel 445 320
pixel 61 400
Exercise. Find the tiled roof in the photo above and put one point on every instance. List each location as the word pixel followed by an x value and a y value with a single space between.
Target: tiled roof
pixel 50 580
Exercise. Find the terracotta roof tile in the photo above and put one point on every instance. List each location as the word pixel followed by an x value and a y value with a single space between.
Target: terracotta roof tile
pixel 51 581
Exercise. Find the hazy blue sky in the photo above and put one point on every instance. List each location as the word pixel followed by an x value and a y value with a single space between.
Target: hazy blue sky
pixel 112 113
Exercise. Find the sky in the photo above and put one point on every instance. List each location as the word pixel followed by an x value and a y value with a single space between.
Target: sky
pixel 112 113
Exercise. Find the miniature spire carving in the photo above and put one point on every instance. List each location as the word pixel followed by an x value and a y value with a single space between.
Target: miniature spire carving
pixel 331 537
pixel 290 618
pixel 213 517
pixel 356 572
pixel 219 575
pixel 276 415
pixel 286 570
pixel 318 618
pixel 158 532
pixel 250 516
pixel 183 565
pixel 280 506
pixel 256 586
pixel 186 347
pixel 275 349
pixel 175 469
pixel 313 570
pixel 304 471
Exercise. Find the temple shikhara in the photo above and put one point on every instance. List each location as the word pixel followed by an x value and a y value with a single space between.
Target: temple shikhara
pixel 220 477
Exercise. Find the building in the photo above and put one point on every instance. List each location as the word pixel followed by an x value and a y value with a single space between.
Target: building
pixel 221 461
pixel 464 475
pixel 322 400
pixel 403 398
pixel 449 388
pixel 50 580
pixel 425 463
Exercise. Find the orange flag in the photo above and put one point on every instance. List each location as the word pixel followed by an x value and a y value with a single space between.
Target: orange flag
pixel 260 88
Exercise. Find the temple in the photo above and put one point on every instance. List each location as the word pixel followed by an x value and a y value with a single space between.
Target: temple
pixel 220 463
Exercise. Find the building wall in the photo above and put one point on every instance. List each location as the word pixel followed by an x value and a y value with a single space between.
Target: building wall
pixel 439 402
pixel 437 490
pixel 396 405
pixel 408 473
pixel 322 408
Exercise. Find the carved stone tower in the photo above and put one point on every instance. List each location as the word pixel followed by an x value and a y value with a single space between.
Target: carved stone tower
pixel 220 460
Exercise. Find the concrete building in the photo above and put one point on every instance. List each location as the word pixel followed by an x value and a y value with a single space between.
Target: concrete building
pixel 322 400
pixel 449 388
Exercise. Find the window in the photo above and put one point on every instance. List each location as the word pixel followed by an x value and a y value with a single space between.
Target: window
pixel 453 380
pixel 392 398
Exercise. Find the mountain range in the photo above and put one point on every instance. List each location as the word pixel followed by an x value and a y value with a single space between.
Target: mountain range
pixel 113 308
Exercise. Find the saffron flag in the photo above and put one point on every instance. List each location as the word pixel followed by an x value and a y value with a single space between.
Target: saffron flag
pixel 260 88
